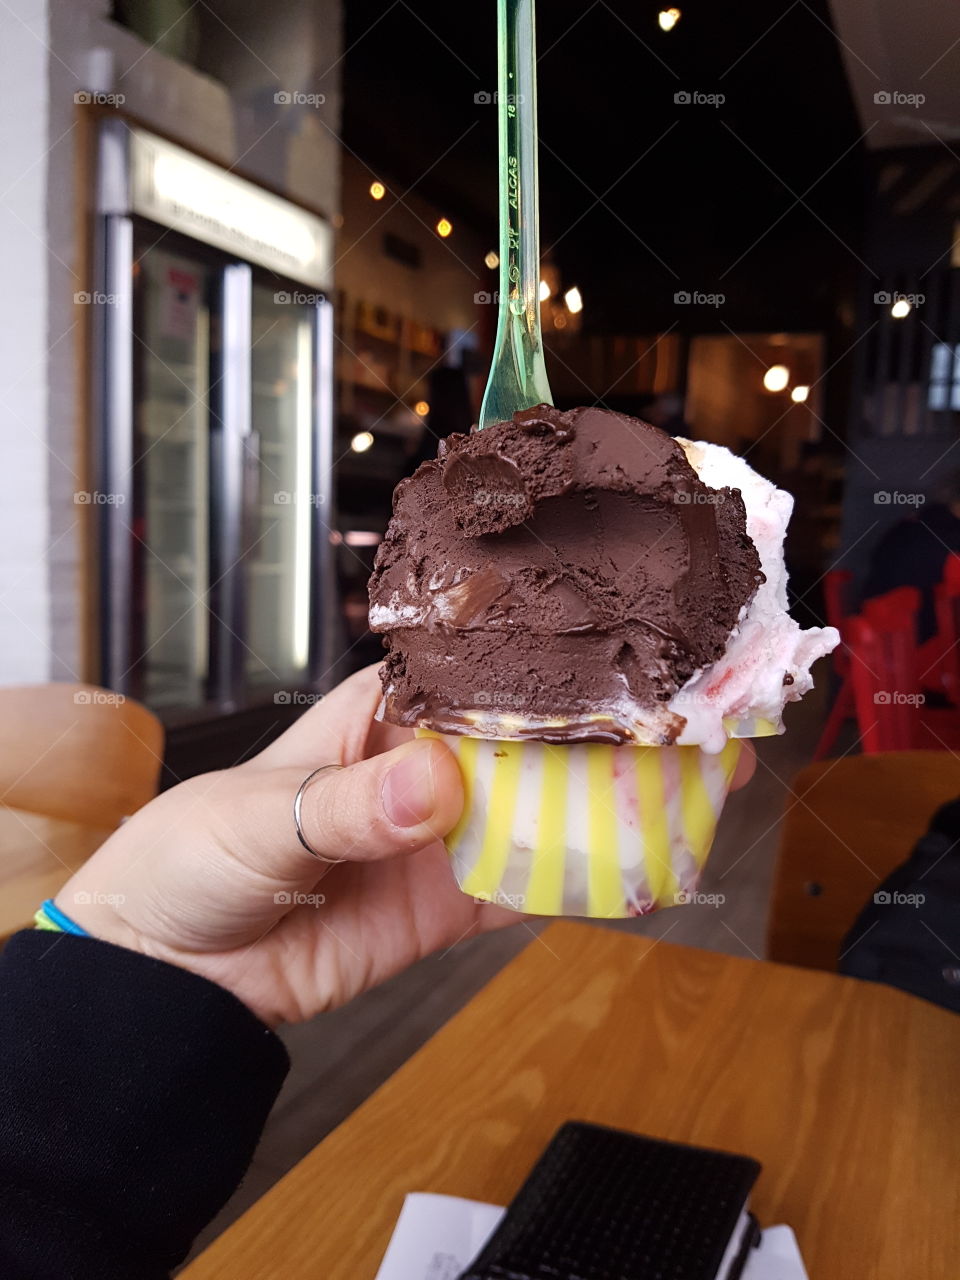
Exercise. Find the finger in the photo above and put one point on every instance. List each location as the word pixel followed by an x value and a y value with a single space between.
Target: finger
pixel 394 803
pixel 746 767
pixel 384 736
pixel 333 731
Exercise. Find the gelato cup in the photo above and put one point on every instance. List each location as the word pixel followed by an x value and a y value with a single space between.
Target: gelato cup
pixel 591 614
pixel 587 829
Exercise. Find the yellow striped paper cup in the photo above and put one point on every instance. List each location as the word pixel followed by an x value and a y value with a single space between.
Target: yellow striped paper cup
pixel 585 829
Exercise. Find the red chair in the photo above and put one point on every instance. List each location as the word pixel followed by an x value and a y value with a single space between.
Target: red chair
pixel 836 598
pixel 836 595
pixel 894 611
pixel 885 674
pixel 888 610
pixel 946 661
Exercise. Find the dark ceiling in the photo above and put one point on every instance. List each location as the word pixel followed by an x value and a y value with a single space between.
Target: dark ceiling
pixel 758 199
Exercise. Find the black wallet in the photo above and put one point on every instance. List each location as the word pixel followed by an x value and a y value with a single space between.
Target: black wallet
pixel 605 1205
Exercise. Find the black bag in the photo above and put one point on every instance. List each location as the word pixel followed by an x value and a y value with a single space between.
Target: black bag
pixel 908 936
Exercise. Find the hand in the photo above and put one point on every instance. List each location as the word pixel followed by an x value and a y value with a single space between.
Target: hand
pixel 210 876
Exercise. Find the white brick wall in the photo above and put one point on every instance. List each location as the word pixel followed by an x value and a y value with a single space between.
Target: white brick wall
pixel 24 584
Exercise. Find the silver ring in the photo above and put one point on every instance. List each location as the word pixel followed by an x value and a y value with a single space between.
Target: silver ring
pixel 297 814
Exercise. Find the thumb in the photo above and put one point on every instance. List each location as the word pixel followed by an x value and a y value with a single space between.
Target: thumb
pixel 394 803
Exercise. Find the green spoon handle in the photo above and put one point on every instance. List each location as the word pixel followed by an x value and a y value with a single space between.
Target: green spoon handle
pixel 518 377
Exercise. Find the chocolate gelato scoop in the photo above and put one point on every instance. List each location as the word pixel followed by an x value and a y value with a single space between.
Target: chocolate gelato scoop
pixel 557 577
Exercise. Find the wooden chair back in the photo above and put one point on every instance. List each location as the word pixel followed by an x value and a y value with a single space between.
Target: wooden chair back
pixel 76 752
pixel 848 824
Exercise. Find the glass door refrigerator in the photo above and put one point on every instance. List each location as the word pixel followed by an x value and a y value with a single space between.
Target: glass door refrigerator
pixel 276 603
pixel 213 403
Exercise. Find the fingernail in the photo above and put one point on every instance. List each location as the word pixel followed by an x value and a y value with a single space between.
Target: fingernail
pixel 408 790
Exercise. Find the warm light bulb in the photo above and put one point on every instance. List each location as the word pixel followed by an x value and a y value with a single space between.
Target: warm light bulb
pixel 377 190
pixel 799 394
pixel 574 300
pixel 668 19
pixel 900 309
pixel 362 441
pixel 544 291
pixel 492 260
pixel 422 408
pixel 776 377
pixel 444 227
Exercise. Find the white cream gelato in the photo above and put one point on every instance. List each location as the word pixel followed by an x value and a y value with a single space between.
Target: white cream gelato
pixel 769 656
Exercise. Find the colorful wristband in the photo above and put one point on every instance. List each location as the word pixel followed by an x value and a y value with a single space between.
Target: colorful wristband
pixel 49 916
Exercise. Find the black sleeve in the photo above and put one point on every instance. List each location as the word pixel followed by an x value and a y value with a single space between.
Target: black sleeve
pixel 132 1096
pixel 908 934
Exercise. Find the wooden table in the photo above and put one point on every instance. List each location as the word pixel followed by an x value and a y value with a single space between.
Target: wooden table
pixel 37 856
pixel 845 1091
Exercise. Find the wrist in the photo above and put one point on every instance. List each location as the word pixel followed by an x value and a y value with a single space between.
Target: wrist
pixel 96 915
pixel 50 919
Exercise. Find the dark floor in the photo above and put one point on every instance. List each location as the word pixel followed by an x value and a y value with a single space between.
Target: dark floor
pixel 340 1058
